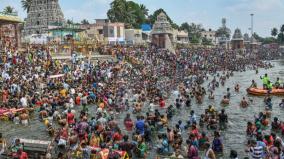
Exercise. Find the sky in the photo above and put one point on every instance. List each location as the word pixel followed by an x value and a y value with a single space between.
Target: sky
pixel 267 13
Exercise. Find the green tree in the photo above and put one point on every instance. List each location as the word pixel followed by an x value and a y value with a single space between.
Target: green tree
pixel 85 22
pixel 280 37
pixel 194 40
pixel 206 41
pixel 26 4
pixel 185 26
pixel 8 10
pixel 128 12
pixel 144 10
pixel 274 32
pixel 194 31
pixel 268 40
pixel 223 31
pixel 69 21
pixel 282 29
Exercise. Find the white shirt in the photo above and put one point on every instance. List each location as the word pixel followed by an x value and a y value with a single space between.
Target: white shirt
pixel 71 102
pixel 72 91
pixel 24 101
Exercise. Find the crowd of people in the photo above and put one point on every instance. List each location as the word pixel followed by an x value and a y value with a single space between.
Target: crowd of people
pixel 80 102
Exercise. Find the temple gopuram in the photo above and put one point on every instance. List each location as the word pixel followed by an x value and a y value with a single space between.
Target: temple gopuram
pixel 162 33
pixel 237 41
pixel 42 13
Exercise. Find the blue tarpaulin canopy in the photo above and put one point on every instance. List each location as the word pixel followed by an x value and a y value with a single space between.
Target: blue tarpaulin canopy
pixel 146 27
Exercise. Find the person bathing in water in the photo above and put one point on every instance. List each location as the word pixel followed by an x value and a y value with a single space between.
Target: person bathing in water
pixel 244 103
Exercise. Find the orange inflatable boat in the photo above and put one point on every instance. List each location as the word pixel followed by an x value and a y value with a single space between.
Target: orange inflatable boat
pixel 262 92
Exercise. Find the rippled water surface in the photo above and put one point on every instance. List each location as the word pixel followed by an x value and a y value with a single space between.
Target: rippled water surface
pixel 234 137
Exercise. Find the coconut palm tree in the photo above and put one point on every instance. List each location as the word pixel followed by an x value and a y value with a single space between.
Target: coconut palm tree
pixel 143 9
pixel 274 32
pixel 118 10
pixel 85 21
pixel 8 10
pixel 282 29
pixel 26 4
pixel 69 21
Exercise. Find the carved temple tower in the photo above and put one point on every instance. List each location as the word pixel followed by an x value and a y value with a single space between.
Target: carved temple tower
pixel 41 14
pixel 162 33
pixel 237 40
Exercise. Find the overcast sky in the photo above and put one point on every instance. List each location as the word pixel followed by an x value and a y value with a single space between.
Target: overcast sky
pixel 268 13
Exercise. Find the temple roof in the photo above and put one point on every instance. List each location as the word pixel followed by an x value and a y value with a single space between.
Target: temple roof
pixel 9 19
pixel 238 35
pixel 162 25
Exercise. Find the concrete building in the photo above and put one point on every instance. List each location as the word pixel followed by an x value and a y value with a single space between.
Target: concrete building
pixel 210 35
pixel 114 33
pixel 103 31
pixel 181 37
pixel 133 36
pixel 43 13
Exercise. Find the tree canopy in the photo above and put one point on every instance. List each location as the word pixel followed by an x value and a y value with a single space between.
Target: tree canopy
pixel 85 21
pixel 8 10
pixel 128 12
pixel 278 34
pixel 274 32
pixel 26 4
pixel 69 21
pixel 223 31
pixel 194 31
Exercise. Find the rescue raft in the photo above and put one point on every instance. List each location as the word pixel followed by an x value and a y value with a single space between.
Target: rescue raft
pixel 262 92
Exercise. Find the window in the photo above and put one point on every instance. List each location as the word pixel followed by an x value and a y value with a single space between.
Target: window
pixel 101 31
pixel 37 23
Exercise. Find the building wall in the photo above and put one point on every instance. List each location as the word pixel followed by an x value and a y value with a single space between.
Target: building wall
pixel 105 32
pixel 133 36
